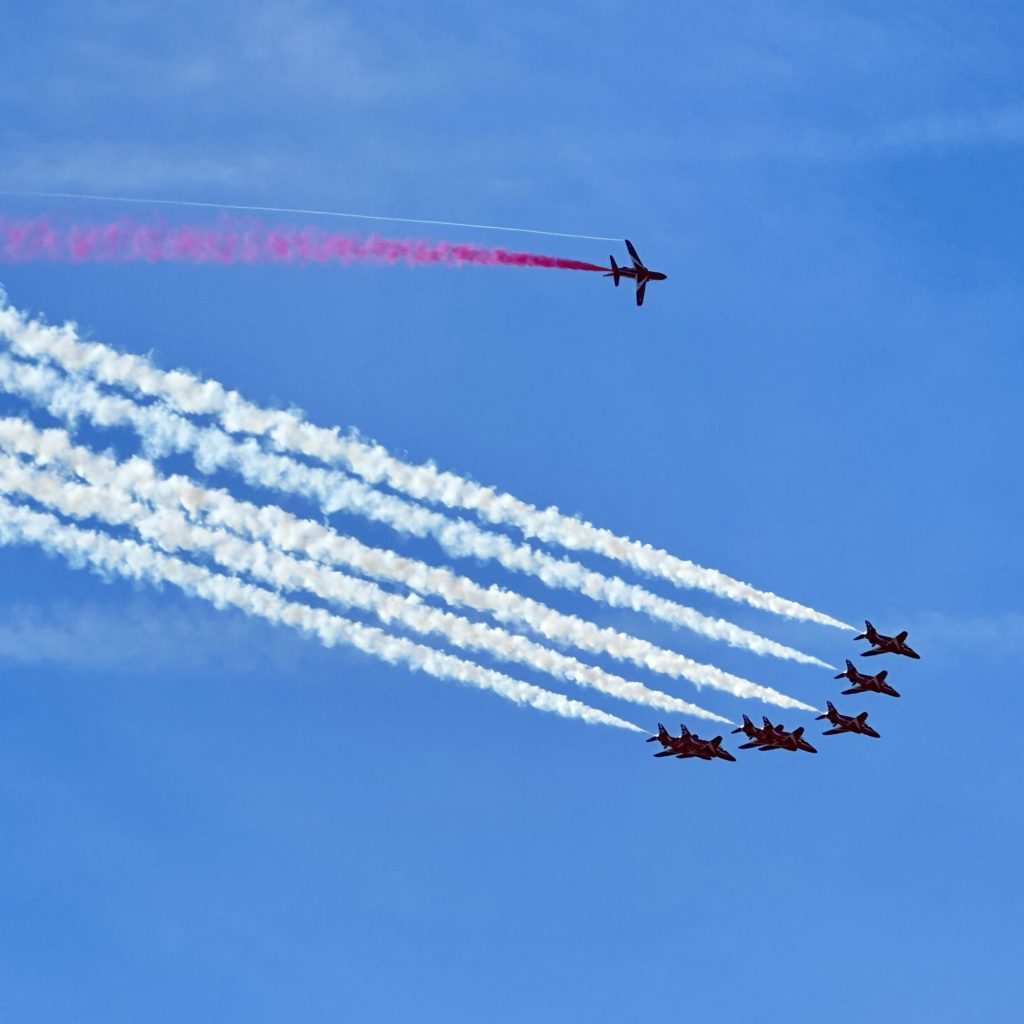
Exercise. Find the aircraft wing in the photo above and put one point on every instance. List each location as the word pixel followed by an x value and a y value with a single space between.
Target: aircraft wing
pixel 833 732
pixel 637 262
pixel 640 289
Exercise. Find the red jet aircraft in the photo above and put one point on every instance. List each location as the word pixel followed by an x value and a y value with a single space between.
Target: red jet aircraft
pixel 756 736
pixel 688 744
pixel 775 737
pixel 639 272
pixel 883 644
pixel 865 684
pixel 847 723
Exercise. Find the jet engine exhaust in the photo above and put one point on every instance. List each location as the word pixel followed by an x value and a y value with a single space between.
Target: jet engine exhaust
pixel 230 241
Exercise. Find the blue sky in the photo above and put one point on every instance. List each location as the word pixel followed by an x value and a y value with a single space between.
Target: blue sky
pixel 208 818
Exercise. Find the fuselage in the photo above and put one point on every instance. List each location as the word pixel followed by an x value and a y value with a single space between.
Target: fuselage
pixel 883 644
pixel 641 275
pixel 849 723
pixel 870 684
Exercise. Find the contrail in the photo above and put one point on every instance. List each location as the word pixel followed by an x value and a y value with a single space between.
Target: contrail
pixel 322 544
pixel 230 242
pixel 212 449
pixel 107 555
pixel 309 213
pixel 168 530
pixel 290 433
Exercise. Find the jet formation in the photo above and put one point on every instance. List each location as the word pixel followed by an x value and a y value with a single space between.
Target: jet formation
pixel 771 736
pixel 689 744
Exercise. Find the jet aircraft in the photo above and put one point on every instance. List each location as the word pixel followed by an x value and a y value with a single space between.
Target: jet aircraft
pixel 883 644
pixel 847 723
pixel 689 744
pixel 775 737
pixel 865 684
pixel 639 272
pixel 756 735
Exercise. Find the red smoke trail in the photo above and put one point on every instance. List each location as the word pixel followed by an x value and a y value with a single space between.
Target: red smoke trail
pixel 232 241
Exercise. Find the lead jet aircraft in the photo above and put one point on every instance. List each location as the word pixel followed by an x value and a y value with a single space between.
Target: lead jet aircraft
pixel 780 739
pixel 883 644
pixel 639 272
pixel 865 684
pixel 847 723
pixel 689 744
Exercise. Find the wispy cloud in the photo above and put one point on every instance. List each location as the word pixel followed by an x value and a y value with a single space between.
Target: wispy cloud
pixel 132 166
pixel 936 131
pixel 992 637
pixel 137 634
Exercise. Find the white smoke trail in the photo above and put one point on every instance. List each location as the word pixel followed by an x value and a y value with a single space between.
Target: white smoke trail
pixel 288 432
pixel 167 529
pixel 212 449
pixel 136 561
pixel 287 532
pixel 310 213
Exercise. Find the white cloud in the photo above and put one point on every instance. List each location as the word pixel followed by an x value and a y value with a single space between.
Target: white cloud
pixel 141 636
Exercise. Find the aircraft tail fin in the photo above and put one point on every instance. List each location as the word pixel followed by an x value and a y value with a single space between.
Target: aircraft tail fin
pixel 660 734
pixel 616 271
pixel 868 630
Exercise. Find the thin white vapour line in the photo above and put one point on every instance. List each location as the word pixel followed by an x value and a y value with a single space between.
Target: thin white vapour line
pixel 167 529
pixel 290 433
pixel 323 545
pixel 136 561
pixel 163 430
pixel 309 213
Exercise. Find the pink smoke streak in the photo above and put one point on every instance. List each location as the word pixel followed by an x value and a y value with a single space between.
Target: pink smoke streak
pixel 233 241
